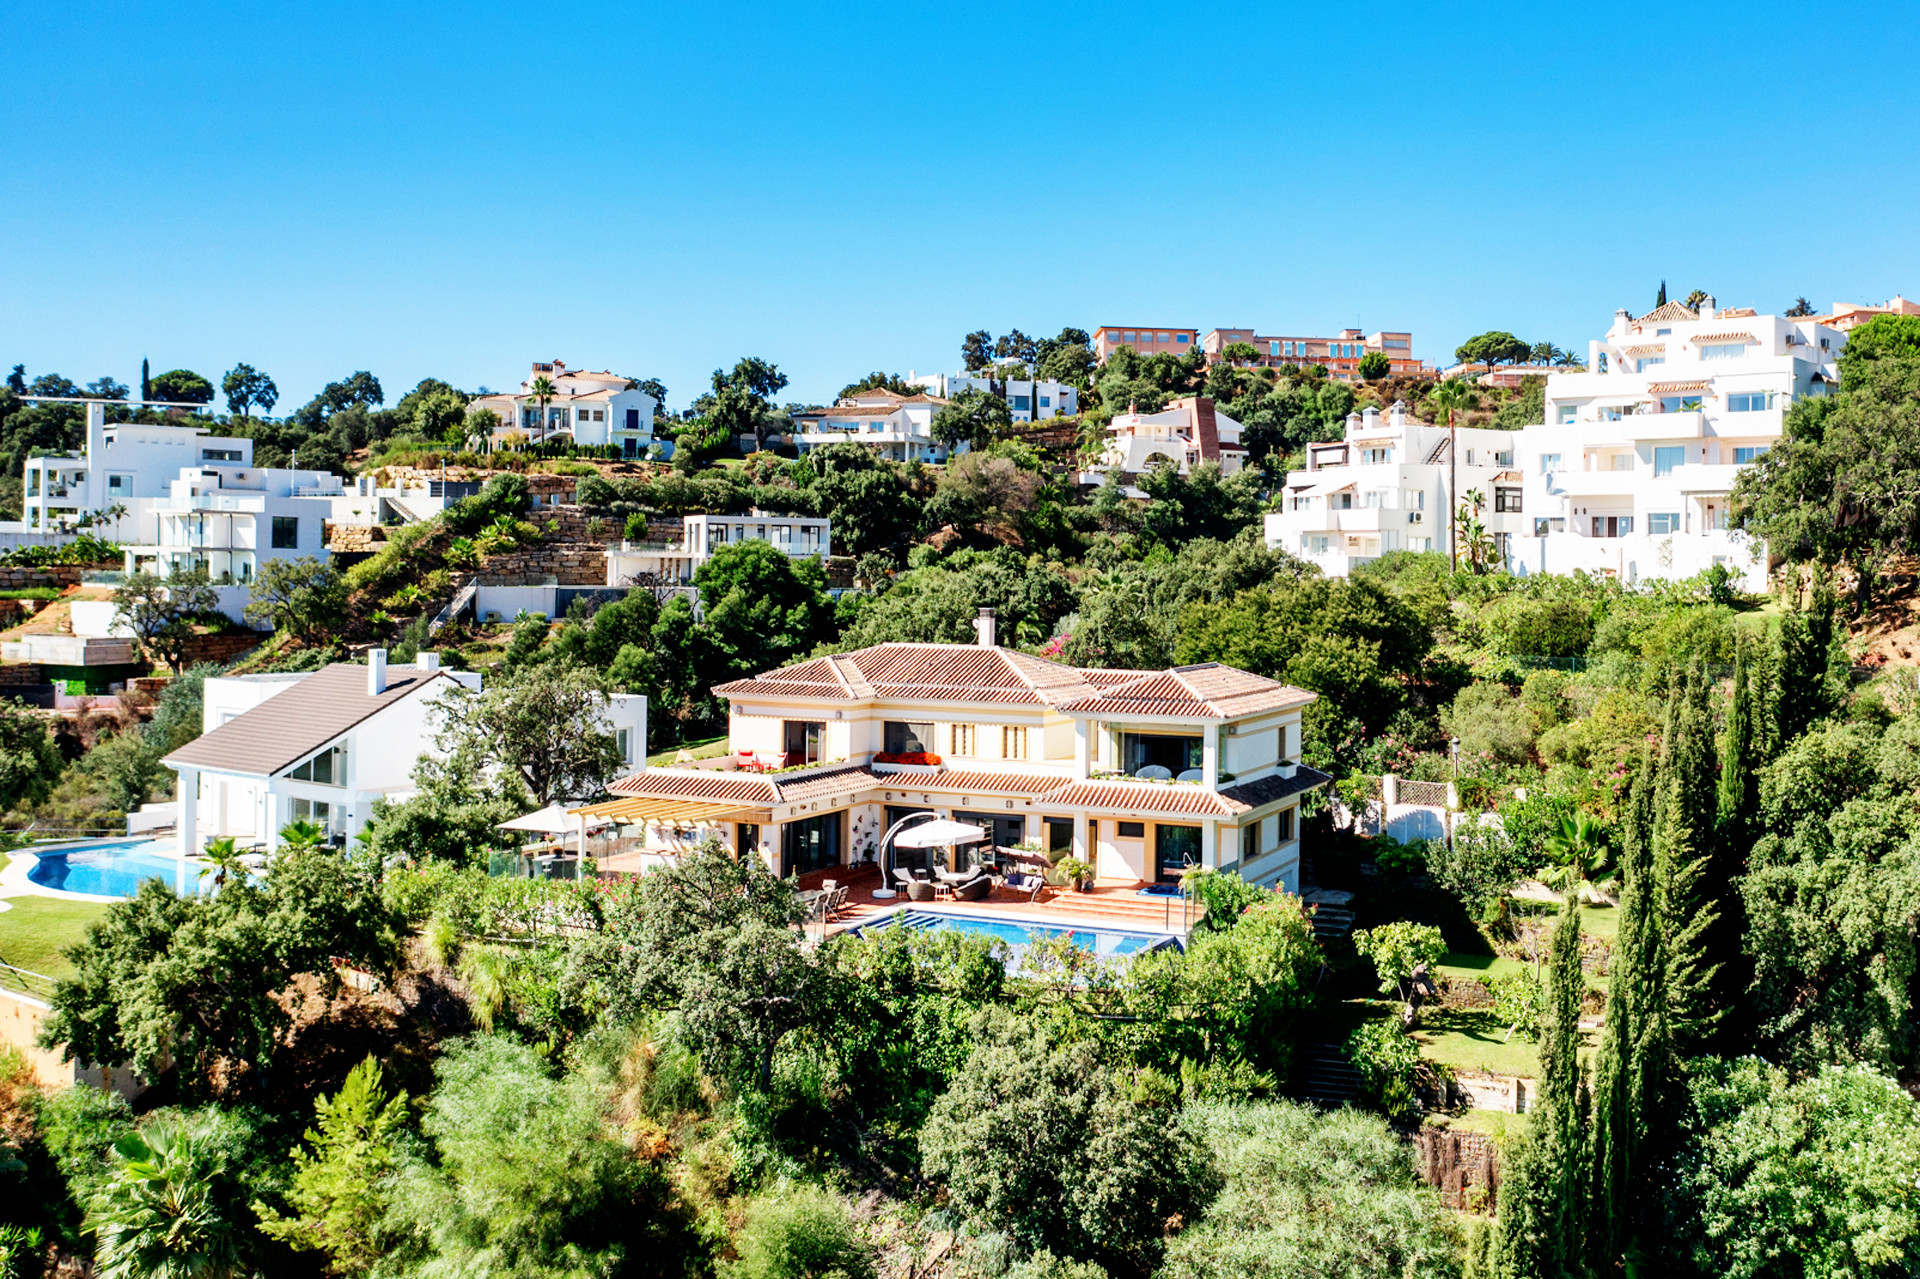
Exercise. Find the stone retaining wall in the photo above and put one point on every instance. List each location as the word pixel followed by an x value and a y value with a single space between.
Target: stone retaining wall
pixel 569 563
pixel 1463 1166
pixel 353 539
pixel 60 575
pixel 19 674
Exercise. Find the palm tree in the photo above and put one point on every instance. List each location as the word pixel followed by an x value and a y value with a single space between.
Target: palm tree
pixel 223 859
pixel 1455 395
pixel 1473 533
pixel 1579 849
pixel 154 1216
pixel 302 835
pixel 543 391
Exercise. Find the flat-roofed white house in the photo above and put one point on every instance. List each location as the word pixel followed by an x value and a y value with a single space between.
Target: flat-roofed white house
pixel 1028 399
pixel 898 426
pixel 1142 774
pixel 323 747
pixel 1385 486
pixel 1629 474
pixel 125 464
pixel 591 409
pixel 672 562
pixel 1187 432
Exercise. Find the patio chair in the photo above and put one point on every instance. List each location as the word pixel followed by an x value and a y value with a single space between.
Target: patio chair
pixel 1026 880
pixel 907 877
pixel 975 889
pixel 919 890
pixel 836 903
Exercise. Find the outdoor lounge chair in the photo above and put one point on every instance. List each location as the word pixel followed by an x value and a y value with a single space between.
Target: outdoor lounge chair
pixel 973 890
pixel 835 904
pixel 919 890
pixel 1026 880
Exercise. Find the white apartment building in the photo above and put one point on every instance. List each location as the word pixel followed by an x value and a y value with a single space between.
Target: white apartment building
pixel 1189 431
pixel 1387 486
pixel 1630 473
pixel 673 561
pixel 900 427
pixel 1028 400
pixel 592 409
pixel 126 464
pixel 325 746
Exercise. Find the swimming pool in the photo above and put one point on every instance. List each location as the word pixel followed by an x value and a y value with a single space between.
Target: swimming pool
pixel 115 870
pixel 1019 934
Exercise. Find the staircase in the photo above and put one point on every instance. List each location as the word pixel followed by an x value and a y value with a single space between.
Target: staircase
pixel 462 601
pixel 1331 923
pixel 1327 1077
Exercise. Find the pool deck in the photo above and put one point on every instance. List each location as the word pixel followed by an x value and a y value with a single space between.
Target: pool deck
pixel 1113 904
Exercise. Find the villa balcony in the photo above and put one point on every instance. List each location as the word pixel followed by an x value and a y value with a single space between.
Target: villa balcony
pixel 1705 477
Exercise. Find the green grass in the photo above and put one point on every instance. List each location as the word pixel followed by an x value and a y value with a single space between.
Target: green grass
pixel 709 749
pixel 37 929
pixel 1496 1124
pixel 1469 1039
pixel 1599 922
pixel 1474 967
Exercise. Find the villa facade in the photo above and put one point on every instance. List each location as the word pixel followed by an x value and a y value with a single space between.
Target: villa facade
pixel 590 409
pixel 1140 774
pixel 897 426
pixel 1189 431
pixel 124 465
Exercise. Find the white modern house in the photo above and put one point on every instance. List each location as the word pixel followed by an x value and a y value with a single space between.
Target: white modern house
pixel 1386 485
pixel 898 426
pixel 1187 432
pixel 591 409
pixel 227 521
pixel 323 747
pixel 673 562
pixel 126 464
pixel 1028 399
pixel 1630 473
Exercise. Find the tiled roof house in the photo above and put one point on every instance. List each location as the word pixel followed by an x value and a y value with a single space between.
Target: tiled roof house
pixel 1140 773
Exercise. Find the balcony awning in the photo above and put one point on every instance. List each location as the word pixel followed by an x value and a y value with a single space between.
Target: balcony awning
pixel 642 811
pixel 1327 486
pixel 1675 388
pixel 553 820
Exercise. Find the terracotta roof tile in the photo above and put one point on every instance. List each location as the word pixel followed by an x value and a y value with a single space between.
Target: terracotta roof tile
pixel 975 781
pixel 676 783
pixel 1143 797
pixel 1251 795
pixel 813 785
pixel 1675 388
pixel 1654 349
pixel 1209 691
pixel 1701 338
pixel 922 672
pixel 1669 311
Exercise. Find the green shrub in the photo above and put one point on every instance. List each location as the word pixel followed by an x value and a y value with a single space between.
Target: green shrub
pixel 1224 896
pixel 799 1232
pixel 1388 1061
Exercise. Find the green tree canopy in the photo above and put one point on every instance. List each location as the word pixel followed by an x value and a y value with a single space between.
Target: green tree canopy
pixel 182 386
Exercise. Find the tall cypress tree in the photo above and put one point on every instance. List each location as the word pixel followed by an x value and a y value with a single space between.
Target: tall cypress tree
pixel 146 380
pixel 1540 1228
pixel 1806 688
pixel 1634 1069
pixel 1686 901
pixel 1739 795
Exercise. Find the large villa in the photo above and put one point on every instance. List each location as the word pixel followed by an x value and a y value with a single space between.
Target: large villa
pixel 1139 774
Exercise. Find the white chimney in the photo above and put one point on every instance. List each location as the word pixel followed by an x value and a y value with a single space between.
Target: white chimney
pixel 376 671
pixel 1370 420
pixel 427 661
pixel 1353 422
pixel 1707 307
pixel 983 628
pixel 1397 415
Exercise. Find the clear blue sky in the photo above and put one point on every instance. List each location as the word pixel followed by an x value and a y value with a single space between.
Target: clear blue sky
pixel 431 189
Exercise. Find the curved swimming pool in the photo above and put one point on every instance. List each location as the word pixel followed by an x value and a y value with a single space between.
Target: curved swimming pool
pixel 1019 934
pixel 115 870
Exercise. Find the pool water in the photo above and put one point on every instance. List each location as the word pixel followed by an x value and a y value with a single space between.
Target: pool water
pixel 1104 942
pixel 116 870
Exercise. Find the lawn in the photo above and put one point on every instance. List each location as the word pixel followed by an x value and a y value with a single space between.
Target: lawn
pixel 712 747
pixel 36 929
pixel 1473 967
pixel 1473 1039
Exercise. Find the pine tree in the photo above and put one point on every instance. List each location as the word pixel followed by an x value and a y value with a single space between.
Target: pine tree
pixel 1686 903
pixel 1634 1069
pixel 1541 1217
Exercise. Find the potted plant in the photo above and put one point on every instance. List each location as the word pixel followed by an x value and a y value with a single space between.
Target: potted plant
pixel 1077 873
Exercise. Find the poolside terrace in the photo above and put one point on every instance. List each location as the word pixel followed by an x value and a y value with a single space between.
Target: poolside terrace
pixel 1113 903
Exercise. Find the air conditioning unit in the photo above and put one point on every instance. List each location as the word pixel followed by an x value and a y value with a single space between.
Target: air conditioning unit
pixel 1416 517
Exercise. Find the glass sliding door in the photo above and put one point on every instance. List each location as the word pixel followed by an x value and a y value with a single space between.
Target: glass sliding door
pixel 813 844
pixel 1175 848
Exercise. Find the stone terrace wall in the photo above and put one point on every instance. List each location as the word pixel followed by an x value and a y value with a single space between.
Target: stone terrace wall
pixel 1463 1166
pixel 568 563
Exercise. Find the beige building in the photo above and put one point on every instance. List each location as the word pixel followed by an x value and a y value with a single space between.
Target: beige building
pixel 1140 773
pixel 1340 354
pixel 1109 338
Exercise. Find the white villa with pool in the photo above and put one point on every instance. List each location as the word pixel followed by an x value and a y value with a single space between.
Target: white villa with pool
pixel 1141 774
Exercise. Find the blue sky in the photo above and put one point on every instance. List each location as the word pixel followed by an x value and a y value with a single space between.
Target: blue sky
pixel 428 189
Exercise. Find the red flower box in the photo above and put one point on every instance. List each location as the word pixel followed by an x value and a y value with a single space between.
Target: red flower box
pixel 907 757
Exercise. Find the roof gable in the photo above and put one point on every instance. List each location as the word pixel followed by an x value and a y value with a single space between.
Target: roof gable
pixel 289 726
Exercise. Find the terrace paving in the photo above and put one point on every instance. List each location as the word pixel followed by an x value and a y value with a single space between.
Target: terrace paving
pixel 1113 903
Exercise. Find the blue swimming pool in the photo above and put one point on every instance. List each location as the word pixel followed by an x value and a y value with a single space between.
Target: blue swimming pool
pixel 1104 942
pixel 114 870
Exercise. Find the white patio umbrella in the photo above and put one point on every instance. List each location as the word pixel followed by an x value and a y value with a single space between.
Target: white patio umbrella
pixel 937 832
pixel 556 820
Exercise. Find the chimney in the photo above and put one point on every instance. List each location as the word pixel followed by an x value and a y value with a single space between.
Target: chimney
pixel 376 671
pixel 983 628
pixel 427 661
pixel 1370 419
pixel 1397 415
pixel 1707 307
pixel 1354 421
